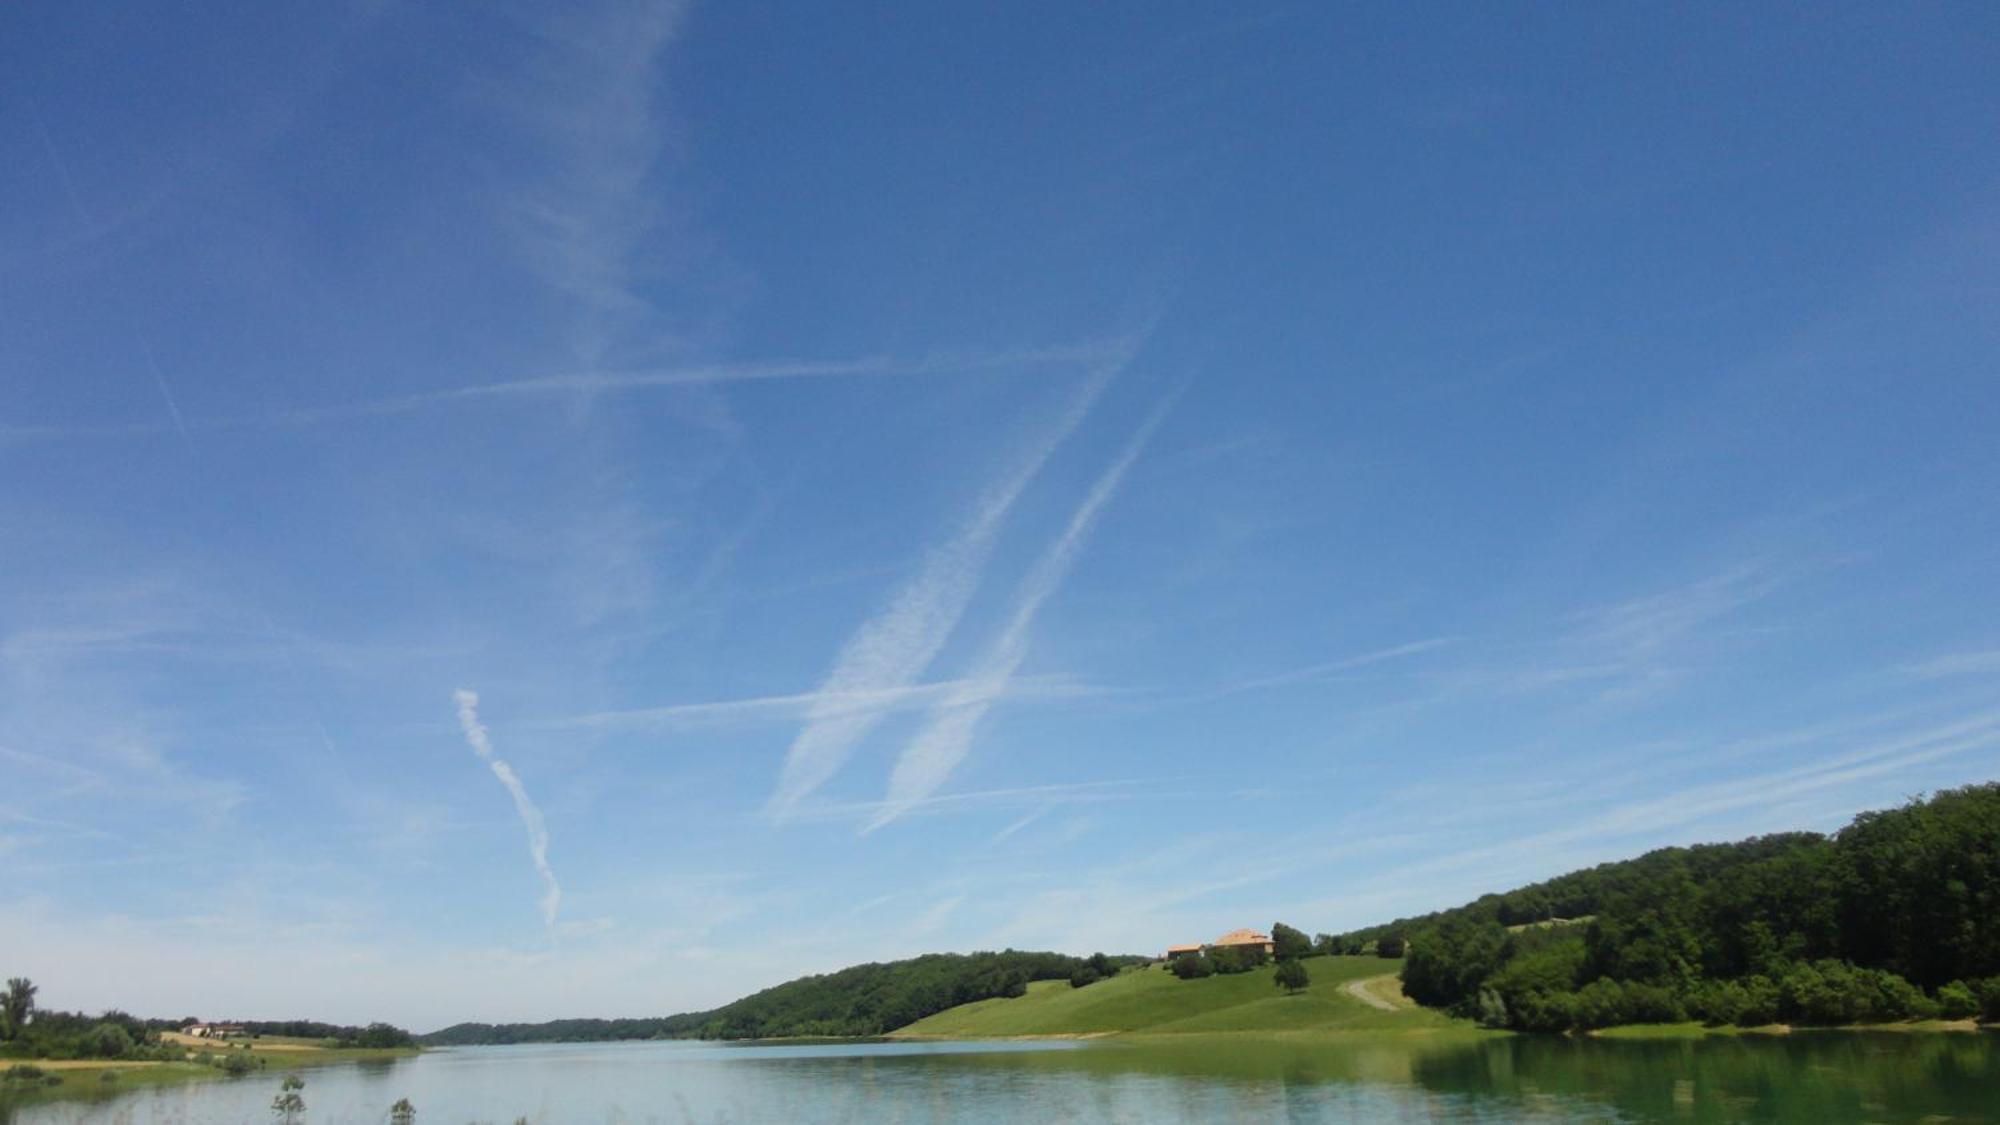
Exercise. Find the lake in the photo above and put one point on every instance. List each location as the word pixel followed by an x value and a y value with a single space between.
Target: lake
pixel 1806 1077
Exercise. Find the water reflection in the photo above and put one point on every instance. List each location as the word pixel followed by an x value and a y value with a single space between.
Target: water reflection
pixel 1805 1077
pixel 1827 1077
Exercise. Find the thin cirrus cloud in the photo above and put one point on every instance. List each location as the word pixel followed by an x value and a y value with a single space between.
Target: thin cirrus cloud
pixel 1891 754
pixel 1329 668
pixel 587 217
pixel 591 383
pixel 1042 798
pixel 946 738
pixel 892 649
pixel 797 705
pixel 531 816
pixel 1956 664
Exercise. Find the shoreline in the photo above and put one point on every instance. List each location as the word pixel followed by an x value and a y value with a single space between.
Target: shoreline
pixel 1699 1031
pixel 87 1078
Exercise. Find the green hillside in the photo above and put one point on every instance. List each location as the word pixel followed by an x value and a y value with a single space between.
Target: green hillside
pixel 1892 918
pixel 858 1000
pixel 1149 999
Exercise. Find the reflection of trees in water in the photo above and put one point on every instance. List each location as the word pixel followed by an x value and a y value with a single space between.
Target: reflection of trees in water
pixel 1829 1076
pixel 1804 1077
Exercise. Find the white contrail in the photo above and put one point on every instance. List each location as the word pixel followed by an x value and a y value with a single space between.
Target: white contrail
pixel 792 707
pixel 943 742
pixel 531 817
pixel 583 384
pixel 892 649
pixel 160 381
pixel 1328 668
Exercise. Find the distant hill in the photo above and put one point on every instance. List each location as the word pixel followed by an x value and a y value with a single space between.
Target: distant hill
pixel 866 999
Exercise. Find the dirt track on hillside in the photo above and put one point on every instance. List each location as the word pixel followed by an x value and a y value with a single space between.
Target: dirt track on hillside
pixel 1360 990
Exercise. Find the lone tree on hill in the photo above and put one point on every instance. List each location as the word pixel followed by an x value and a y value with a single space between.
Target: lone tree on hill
pixel 1289 943
pixel 1291 975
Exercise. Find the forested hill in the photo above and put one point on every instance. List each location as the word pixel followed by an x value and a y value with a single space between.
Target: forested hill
pixel 866 999
pixel 1896 916
pixel 1580 894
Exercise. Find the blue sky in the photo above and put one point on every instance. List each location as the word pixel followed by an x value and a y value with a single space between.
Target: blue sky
pixel 508 516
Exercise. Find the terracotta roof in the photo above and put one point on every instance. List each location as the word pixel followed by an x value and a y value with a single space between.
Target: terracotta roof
pixel 1243 937
pixel 1193 947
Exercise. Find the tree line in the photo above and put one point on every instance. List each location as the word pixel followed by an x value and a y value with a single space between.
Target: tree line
pixel 28 1031
pixel 1894 917
pixel 870 999
pixel 338 1034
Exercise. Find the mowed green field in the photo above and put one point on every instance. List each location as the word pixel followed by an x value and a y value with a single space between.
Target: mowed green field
pixel 1151 1000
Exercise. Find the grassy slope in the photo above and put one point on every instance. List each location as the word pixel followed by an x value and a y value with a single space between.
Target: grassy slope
pixel 1151 1000
pixel 85 1077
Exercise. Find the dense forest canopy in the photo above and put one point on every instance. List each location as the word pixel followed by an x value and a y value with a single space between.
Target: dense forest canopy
pixel 1895 916
pixel 866 999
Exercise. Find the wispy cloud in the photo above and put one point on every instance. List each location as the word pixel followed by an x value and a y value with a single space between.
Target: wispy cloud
pixel 892 649
pixel 587 384
pixel 1019 823
pixel 1634 630
pixel 1666 812
pixel 531 817
pixel 131 770
pixel 944 741
pixel 1328 668
pixel 934 918
pixel 585 222
pixel 772 708
pixel 1985 663
pixel 160 381
pixel 1042 796
pixel 1628 650
pixel 610 382
pixel 79 779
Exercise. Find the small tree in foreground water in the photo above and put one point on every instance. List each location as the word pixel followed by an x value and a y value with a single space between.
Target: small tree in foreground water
pixel 1291 976
pixel 402 1113
pixel 289 1104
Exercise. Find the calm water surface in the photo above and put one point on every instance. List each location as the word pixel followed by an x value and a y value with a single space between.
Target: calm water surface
pixel 1829 1077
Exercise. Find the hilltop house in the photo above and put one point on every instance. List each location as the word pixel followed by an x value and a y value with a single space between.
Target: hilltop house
pixel 1234 939
pixel 1245 939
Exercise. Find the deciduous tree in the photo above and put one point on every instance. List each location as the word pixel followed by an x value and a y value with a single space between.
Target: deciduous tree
pixel 17 1007
pixel 1291 975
